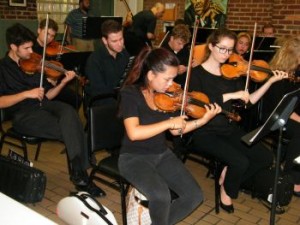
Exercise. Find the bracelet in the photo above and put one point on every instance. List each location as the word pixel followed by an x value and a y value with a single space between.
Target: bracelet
pixel 196 124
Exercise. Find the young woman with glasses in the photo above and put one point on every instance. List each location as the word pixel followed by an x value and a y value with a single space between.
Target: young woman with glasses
pixel 221 138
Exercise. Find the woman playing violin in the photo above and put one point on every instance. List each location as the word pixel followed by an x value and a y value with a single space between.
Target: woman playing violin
pixel 287 58
pixel 145 159
pixel 66 94
pixel 220 138
pixel 243 43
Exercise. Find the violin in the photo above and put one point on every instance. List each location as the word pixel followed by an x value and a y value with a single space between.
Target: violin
pixel 53 69
pixel 259 69
pixel 54 48
pixel 237 66
pixel 171 101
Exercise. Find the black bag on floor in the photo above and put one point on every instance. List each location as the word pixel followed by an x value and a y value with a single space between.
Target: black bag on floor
pixel 21 182
pixel 263 187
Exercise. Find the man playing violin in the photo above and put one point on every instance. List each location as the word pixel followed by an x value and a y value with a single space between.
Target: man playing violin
pixel 66 95
pixel 36 113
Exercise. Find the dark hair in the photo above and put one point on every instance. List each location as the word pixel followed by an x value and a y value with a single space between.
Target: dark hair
pixel 51 25
pixel 150 59
pixel 110 26
pixel 18 35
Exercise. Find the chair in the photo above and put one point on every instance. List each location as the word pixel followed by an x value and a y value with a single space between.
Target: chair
pixel 23 139
pixel 105 131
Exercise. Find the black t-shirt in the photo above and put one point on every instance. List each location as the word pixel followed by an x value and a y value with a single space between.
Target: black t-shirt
pixel 133 104
pixel 214 87
pixel 13 80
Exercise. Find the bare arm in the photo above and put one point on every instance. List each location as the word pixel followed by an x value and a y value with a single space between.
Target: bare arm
pixel 177 125
pixel 10 100
pixel 53 92
pixel 278 75
pixel 294 116
pixel 136 131
pixel 255 96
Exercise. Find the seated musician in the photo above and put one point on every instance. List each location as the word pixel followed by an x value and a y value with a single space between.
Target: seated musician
pixel 106 65
pixel 287 58
pixel 268 30
pixel 177 44
pixel 220 138
pixel 66 95
pixel 145 159
pixel 35 112
pixel 243 43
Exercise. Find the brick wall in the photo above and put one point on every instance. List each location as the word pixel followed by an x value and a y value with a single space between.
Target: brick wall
pixel 18 13
pixel 241 14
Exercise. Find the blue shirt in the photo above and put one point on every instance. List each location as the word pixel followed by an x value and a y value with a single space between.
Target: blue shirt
pixel 74 20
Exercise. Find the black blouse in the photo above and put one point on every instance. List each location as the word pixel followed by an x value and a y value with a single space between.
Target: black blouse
pixel 133 104
pixel 214 87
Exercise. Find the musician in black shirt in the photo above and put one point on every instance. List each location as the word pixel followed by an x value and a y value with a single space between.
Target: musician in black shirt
pixel 66 95
pixel 35 113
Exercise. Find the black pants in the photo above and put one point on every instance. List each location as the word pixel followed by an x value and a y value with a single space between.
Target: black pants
pixel 243 162
pixel 58 121
pixel 154 176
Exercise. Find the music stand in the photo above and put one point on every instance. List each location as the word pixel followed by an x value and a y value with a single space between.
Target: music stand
pixel 276 120
pixel 91 26
pixel 264 43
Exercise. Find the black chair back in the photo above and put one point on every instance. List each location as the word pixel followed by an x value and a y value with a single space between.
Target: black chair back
pixel 105 129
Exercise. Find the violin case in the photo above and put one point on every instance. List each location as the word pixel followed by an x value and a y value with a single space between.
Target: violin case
pixel 83 209
pixel 21 182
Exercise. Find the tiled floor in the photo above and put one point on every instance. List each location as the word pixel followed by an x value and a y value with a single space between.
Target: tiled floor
pixel 247 211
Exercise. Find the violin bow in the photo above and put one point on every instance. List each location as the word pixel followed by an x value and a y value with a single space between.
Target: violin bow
pixel 250 58
pixel 164 38
pixel 188 72
pixel 44 51
pixel 63 41
pixel 127 7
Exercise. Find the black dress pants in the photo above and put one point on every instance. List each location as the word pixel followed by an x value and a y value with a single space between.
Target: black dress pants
pixel 58 121
pixel 242 161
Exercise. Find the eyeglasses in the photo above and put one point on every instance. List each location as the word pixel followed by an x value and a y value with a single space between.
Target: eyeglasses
pixel 224 50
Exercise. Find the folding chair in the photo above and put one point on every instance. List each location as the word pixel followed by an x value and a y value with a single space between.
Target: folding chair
pixel 105 131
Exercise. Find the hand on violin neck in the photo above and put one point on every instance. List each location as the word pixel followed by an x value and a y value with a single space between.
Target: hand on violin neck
pixel 211 111
pixel 69 75
pixel 278 75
